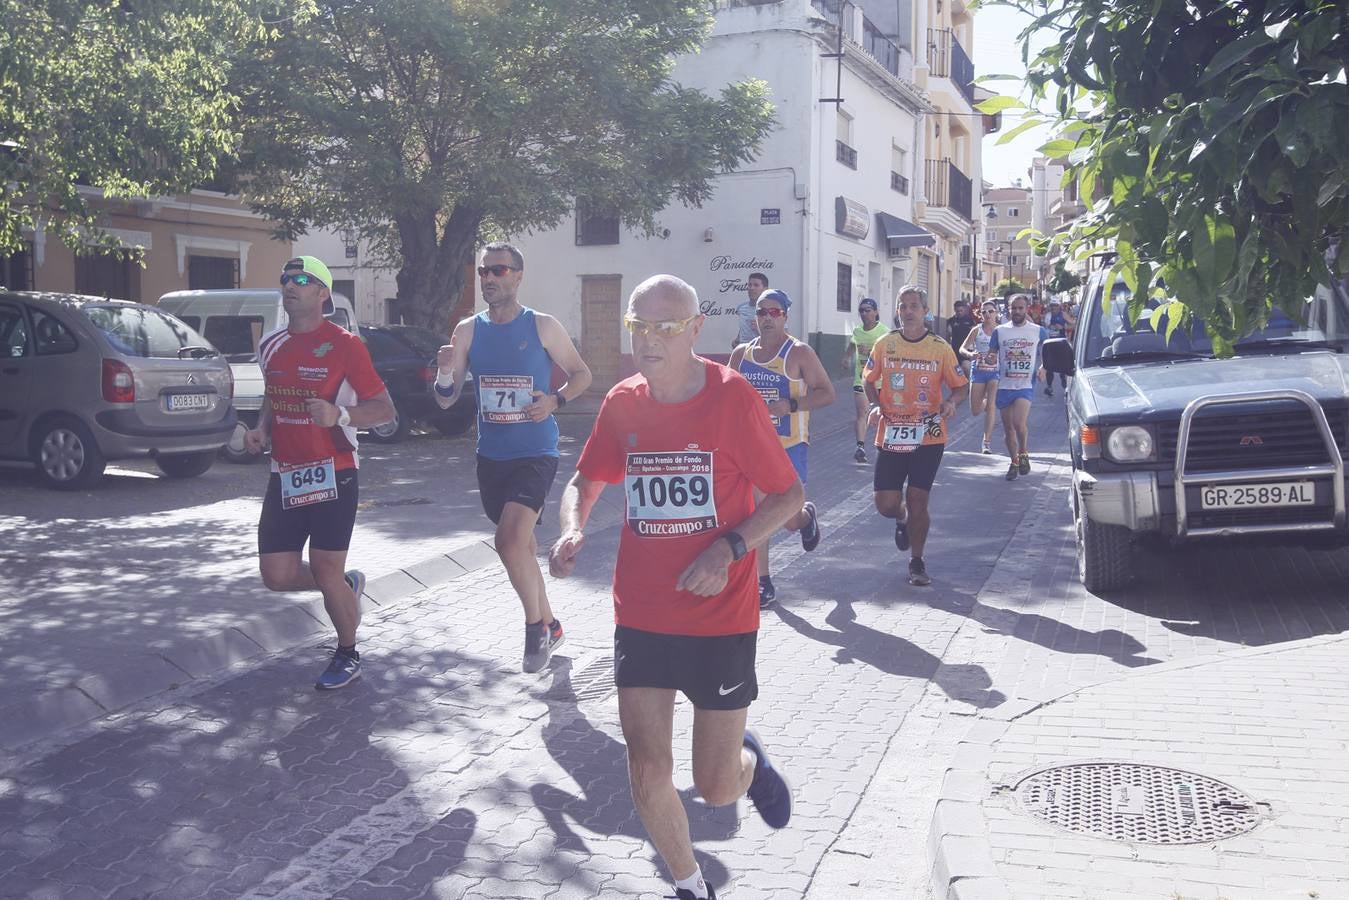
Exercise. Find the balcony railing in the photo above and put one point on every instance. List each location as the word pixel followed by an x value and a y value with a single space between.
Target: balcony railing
pixel 947 59
pixel 899 183
pixel 845 154
pixel 871 39
pixel 947 186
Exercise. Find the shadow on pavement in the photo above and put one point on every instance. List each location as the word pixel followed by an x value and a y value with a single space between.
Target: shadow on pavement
pixel 893 655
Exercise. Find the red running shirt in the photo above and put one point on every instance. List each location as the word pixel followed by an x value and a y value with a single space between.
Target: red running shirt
pixel 687 471
pixel 330 363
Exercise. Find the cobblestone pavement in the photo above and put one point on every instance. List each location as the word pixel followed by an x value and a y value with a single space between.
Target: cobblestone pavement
pixel 445 772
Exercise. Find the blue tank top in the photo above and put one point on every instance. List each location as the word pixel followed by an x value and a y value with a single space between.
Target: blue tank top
pixel 508 362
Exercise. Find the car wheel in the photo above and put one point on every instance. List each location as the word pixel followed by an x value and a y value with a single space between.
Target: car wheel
pixel 1104 555
pixel 391 432
pixel 185 465
pixel 67 455
pixel 234 450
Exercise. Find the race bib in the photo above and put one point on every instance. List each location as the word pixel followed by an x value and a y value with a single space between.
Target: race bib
pixel 670 494
pixel 502 398
pixel 308 483
pixel 903 437
pixel 1018 364
pixel 987 362
pixel 781 425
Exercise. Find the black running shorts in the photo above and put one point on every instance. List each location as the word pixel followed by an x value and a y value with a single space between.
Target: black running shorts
pixel 918 467
pixel 525 481
pixel 326 526
pixel 713 672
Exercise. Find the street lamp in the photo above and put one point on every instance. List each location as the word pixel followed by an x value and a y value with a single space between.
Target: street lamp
pixel 990 213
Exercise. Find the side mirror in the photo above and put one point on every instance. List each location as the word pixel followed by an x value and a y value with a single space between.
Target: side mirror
pixel 1058 356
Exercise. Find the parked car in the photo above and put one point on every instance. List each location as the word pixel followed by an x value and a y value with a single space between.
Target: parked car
pixel 234 321
pixel 84 380
pixel 405 357
pixel 1169 442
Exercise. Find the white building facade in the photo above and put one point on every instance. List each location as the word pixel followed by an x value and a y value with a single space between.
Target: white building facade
pixel 826 211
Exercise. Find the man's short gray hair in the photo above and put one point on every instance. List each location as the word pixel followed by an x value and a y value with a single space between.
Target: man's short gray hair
pixel 517 258
pixel 666 286
pixel 912 289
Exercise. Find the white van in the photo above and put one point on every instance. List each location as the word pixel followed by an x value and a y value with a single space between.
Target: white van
pixel 234 321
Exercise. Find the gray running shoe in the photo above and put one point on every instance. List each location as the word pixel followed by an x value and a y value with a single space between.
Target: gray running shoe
pixel 343 669
pixel 537 647
pixel 1024 464
pixel 810 532
pixel 1012 472
pixel 356 581
pixel 555 636
pixel 860 455
pixel 918 573
pixel 902 534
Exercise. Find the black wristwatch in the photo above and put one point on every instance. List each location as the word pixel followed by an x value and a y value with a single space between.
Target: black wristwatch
pixel 561 400
pixel 738 548
pixel 793 405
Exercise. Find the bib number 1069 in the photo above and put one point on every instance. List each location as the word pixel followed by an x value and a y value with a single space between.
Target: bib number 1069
pixel 670 494
pixel 674 490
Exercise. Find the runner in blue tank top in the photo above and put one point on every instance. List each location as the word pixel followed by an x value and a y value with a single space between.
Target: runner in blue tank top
pixel 511 350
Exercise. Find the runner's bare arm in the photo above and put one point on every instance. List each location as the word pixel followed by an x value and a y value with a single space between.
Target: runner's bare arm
pixel 849 357
pixel 819 388
pixel 255 439
pixel 967 346
pixel 375 411
pixel 578 499
pixel 954 402
pixel 706 575
pixel 737 355
pixel 453 359
pixel 563 352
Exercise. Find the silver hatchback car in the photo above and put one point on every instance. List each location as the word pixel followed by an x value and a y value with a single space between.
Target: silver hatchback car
pixel 84 380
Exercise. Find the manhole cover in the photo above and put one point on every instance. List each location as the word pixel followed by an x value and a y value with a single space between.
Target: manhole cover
pixel 1137 803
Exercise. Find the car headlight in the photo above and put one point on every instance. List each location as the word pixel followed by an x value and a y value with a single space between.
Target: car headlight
pixel 1130 443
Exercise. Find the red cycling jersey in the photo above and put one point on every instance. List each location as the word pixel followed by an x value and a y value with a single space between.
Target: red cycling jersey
pixel 687 470
pixel 329 363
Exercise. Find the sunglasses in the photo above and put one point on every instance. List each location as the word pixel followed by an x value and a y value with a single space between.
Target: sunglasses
pixel 302 279
pixel 771 312
pixel 641 327
pixel 498 270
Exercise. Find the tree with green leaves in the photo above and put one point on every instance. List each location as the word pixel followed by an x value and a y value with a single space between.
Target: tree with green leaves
pixel 126 97
pixel 1063 280
pixel 1008 286
pixel 1209 138
pixel 427 124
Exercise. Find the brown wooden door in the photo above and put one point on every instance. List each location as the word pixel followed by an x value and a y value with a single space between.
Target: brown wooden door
pixel 601 327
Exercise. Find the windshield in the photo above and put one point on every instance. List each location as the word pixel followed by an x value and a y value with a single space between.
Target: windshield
pixel 135 331
pixel 235 336
pixel 1110 335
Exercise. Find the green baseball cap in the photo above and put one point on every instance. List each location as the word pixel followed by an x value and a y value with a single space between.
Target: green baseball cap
pixel 312 265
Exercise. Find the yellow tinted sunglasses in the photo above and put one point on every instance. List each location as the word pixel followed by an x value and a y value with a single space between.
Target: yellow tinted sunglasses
pixel 641 327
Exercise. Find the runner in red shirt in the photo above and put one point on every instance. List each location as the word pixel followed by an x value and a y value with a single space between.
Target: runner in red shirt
pixel 320 387
pixel 690 440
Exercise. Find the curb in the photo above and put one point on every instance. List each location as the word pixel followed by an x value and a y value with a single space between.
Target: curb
pixel 961 856
pixel 46 715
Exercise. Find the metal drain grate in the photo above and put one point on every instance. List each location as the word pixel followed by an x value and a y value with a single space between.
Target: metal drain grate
pixel 1138 803
pixel 591 683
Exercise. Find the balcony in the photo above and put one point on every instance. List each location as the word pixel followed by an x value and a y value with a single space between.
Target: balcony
pixel 947 59
pixel 899 183
pixel 845 154
pixel 868 36
pixel 947 186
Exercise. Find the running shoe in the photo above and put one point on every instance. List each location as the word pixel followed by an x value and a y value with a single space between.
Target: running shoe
pixel 555 636
pixel 918 573
pixel 810 532
pixel 536 646
pixel 902 534
pixel 685 894
pixel 1049 392
pixel 987 449
pixel 343 669
pixel 1023 464
pixel 768 594
pixel 356 581
pixel 859 455
pixel 1012 472
pixel 769 791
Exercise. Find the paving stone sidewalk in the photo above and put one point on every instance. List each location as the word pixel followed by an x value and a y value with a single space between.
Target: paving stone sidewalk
pixel 1270 722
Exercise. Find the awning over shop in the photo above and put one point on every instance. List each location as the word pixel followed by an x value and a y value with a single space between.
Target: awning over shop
pixel 901 234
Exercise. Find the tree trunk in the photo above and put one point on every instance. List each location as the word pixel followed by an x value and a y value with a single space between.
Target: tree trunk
pixel 432 276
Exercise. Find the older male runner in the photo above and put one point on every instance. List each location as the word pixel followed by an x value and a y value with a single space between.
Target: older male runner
pixel 1017 344
pixel 511 350
pixel 690 440
pixel 320 386
pixel 905 376
pixel 790 377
